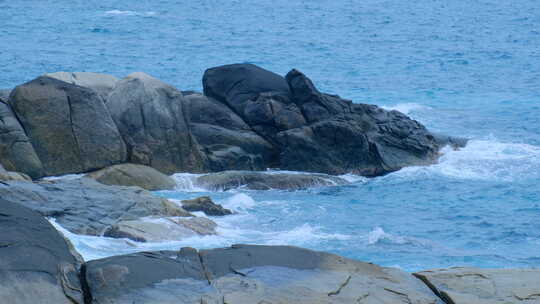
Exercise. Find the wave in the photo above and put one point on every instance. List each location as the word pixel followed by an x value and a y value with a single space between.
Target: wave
pixel 484 160
pixel 406 108
pixel 130 13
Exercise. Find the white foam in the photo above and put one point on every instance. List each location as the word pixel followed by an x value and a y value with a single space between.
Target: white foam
pixel 484 160
pixel 406 108
pixel 378 234
pixel 239 202
pixel 186 182
pixel 63 177
pixel 130 13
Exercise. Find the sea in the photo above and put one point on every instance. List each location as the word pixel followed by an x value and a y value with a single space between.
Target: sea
pixel 463 68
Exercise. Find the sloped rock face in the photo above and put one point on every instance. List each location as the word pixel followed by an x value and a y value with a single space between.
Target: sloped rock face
pixel 464 285
pixel 101 83
pixel 85 206
pixel 16 151
pixel 12 176
pixel 150 116
pixel 162 229
pixel 249 274
pixel 227 141
pixel 227 180
pixel 317 132
pixel 36 264
pixel 133 175
pixel 68 126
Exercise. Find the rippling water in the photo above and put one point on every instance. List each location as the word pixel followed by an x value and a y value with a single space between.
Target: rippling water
pixel 468 68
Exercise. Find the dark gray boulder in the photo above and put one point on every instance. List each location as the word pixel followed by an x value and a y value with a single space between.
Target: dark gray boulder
pixel 36 263
pixel 151 118
pixel 85 206
pixel 235 84
pixel 16 151
pixel 246 274
pixel 318 132
pixel 228 142
pixel 206 205
pixel 227 180
pixel 133 175
pixel 68 126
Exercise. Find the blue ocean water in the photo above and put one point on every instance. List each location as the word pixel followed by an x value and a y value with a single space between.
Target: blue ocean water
pixel 467 68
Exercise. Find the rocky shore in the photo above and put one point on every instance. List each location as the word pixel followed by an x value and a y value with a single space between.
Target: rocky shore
pixel 124 137
pixel 37 265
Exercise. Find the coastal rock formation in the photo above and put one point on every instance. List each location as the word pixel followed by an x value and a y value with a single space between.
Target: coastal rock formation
pixel 249 274
pixel 227 141
pixel 223 181
pixel 16 151
pixel 318 132
pixel 465 285
pixel 162 229
pixel 12 176
pixel 206 205
pixel 85 206
pixel 150 116
pixel 101 83
pixel 68 126
pixel 36 264
pixel 247 119
pixel 133 175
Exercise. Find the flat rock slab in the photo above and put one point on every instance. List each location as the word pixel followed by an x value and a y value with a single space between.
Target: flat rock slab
pixel 36 263
pixel 463 285
pixel 249 274
pixel 134 175
pixel 85 206
pixel 255 180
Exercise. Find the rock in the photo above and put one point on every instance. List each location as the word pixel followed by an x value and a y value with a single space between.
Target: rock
pixel 316 132
pixel 16 151
pixel 68 125
pixel 12 176
pixel 464 285
pixel 227 180
pixel 4 95
pixel 454 142
pixel 134 175
pixel 206 205
pixel 228 142
pixel 85 206
pixel 162 229
pixel 36 264
pixel 101 83
pixel 249 274
pixel 315 105
pixel 151 118
pixel 236 84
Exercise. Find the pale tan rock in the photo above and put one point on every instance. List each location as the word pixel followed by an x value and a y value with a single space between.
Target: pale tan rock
pixel 464 285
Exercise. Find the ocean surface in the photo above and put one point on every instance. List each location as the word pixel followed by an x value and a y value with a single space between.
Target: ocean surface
pixel 465 68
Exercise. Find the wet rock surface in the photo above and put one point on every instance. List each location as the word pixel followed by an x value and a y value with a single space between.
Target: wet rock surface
pixel 133 175
pixel 227 180
pixel 162 229
pixel 206 205
pixel 36 264
pixel 85 206
pixel 464 285
pixel 249 274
